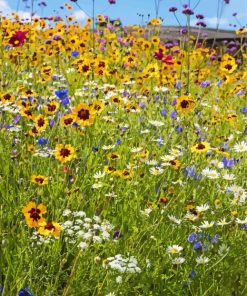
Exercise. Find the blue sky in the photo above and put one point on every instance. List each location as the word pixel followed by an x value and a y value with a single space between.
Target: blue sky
pixel 128 10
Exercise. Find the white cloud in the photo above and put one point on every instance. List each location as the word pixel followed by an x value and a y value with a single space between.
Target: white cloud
pixel 4 7
pixel 26 16
pixel 79 15
pixel 213 21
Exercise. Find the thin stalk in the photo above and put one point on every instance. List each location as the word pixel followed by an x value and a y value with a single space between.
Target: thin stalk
pixel 188 55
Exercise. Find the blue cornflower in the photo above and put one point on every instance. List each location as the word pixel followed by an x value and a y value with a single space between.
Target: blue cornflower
pixel 179 129
pixel 65 101
pixel 25 292
pixel 243 109
pixel 118 142
pixel 95 149
pixel 192 237
pixel 62 93
pixel 75 53
pixel 190 172
pixel 192 273
pixel 197 245
pixel 163 112
pixel 42 141
pixel 173 114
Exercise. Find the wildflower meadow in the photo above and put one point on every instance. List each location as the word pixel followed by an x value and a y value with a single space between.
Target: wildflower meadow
pixel 123 158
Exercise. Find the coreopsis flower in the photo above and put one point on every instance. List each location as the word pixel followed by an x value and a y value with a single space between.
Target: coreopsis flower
pixel 49 228
pixel 228 64
pixel 39 179
pixel 18 38
pixel 201 147
pixel 83 114
pixel 64 153
pixel 51 108
pixel 240 31
pixel 126 174
pixel 155 21
pixel 67 120
pixel 41 122
pixel 33 214
pixel 113 156
pixel 185 104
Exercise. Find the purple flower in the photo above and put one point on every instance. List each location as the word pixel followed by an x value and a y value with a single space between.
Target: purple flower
pixel 163 112
pixel 200 16
pixel 197 245
pixel 112 1
pixel 205 83
pixel 116 234
pixel 179 129
pixel 201 24
pixel 188 11
pixel 192 237
pixel 173 114
pixel 173 9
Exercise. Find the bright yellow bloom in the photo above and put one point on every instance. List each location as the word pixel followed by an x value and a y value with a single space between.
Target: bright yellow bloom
pixel 49 228
pixel 39 179
pixel 33 214
pixel 201 147
pixel 64 153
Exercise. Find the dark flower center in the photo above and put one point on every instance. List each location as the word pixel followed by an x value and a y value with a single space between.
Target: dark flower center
pixel 184 104
pixel 41 122
pixel 39 180
pixel 51 107
pixel 68 121
pixel 50 226
pixel 7 97
pixel 34 214
pixel 83 114
pixel 228 67
pixel 200 146
pixel 65 152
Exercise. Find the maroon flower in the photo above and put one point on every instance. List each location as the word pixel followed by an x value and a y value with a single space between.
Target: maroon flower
pixel 168 60
pixel 18 38
pixel 159 55
pixel 112 1
pixel 173 9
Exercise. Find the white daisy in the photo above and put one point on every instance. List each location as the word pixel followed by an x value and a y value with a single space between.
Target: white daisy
pixel 202 260
pixel 175 249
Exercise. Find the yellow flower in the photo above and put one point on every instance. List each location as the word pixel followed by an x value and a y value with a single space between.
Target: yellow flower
pixel 201 147
pixel 33 214
pixel 185 104
pixel 39 179
pixel 51 108
pixel 240 31
pixel 47 228
pixel 155 21
pixel 64 153
pixel 41 122
pixel 83 114
pixel 67 120
pixel 113 156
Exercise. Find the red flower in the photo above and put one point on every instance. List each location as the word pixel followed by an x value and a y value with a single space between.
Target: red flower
pixel 159 55
pixel 168 60
pixel 18 38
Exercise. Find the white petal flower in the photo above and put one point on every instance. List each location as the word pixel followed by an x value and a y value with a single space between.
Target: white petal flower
pixel 175 249
pixel 202 260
